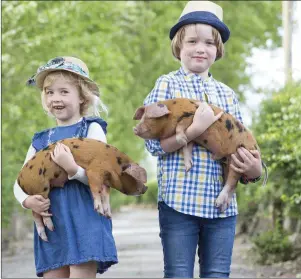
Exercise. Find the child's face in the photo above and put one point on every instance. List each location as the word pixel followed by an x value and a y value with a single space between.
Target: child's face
pixel 198 51
pixel 63 101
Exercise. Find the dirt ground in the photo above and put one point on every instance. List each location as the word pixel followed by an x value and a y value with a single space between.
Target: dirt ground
pixel 136 234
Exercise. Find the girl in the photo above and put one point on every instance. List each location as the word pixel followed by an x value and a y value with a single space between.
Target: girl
pixel 187 212
pixel 81 243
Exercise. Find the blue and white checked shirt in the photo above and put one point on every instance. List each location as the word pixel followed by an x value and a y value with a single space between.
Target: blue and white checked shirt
pixel 194 192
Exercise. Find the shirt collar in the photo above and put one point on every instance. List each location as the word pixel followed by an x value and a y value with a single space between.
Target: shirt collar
pixel 191 76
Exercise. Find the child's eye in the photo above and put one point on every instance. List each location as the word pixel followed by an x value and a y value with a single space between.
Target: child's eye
pixel 65 92
pixel 49 92
pixel 192 41
pixel 210 43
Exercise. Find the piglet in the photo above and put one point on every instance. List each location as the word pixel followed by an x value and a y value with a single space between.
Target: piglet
pixel 166 118
pixel 105 167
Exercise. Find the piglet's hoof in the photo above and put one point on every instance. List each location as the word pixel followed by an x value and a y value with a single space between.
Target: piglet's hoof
pixel 223 200
pixel 98 206
pixel 181 139
pixel 108 214
pixel 106 209
pixel 188 164
pixel 48 223
pixel 43 235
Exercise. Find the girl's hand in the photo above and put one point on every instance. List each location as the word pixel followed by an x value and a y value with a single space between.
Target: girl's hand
pixel 38 204
pixel 63 157
pixel 203 118
pixel 248 164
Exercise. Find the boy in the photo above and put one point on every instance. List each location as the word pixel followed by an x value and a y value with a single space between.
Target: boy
pixel 187 215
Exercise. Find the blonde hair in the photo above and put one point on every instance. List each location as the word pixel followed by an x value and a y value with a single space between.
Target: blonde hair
pixel 176 43
pixel 92 103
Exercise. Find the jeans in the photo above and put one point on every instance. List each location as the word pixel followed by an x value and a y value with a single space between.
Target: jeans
pixel 181 234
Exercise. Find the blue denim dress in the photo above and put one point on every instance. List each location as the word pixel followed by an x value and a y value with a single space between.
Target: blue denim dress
pixel 80 234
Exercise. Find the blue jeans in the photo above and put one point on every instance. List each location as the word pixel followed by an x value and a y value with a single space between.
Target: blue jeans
pixel 181 234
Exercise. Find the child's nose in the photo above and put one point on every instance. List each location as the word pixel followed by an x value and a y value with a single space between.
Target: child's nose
pixel 200 48
pixel 55 97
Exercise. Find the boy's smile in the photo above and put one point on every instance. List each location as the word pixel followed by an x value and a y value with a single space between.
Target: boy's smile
pixel 198 50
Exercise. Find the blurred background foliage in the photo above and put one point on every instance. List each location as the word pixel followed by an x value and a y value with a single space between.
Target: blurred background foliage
pixel 126 47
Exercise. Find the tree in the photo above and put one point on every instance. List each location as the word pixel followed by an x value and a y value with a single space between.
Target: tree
pixel 126 47
pixel 278 127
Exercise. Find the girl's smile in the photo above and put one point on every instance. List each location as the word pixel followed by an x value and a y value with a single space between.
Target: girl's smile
pixel 63 101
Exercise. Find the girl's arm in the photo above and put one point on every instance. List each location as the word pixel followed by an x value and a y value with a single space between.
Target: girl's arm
pixel 64 158
pixel 35 202
pixel 18 192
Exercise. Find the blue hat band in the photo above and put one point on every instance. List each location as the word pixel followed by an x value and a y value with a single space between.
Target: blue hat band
pixel 201 17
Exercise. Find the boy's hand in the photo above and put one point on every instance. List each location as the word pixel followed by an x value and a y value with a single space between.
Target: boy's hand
pixel 63 157
pixel 203 118
pixel 38 204
pixel 247 162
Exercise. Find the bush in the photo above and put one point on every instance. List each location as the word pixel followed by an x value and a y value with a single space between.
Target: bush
pixel 118 199
pixel 150 197
pixel 273 246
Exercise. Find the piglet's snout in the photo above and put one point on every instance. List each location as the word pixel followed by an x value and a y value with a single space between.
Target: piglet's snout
pixel 135 131
pixel 139 130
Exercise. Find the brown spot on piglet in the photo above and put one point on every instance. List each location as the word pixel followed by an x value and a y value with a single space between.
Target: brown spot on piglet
pixel 229 125
pixel 119 161
pixel 239 126
pixel 184 115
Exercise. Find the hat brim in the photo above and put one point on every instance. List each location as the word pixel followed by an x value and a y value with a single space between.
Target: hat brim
pixel 40 77
pixel 205 18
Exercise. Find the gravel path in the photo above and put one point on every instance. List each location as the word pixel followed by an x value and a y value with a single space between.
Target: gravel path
pixel 139 251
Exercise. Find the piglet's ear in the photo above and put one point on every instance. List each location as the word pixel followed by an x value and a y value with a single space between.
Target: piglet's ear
pixel 139 113
pixel 137 172
pixel 156 111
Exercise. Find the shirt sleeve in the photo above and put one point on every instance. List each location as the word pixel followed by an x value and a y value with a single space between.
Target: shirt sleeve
pixel 18 192
pixel 237 111
pixel 94 132
pixel 160 92
pixel 243 179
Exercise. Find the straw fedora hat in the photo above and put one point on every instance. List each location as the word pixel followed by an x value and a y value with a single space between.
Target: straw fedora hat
pixel 66 63
pixel 205 12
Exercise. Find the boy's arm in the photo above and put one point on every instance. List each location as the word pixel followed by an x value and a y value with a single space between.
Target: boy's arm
pixel 203 118
pixel 249 163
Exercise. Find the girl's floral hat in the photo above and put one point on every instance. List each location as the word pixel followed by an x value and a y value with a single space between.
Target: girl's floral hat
pixel 205 12
pixel 67 63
